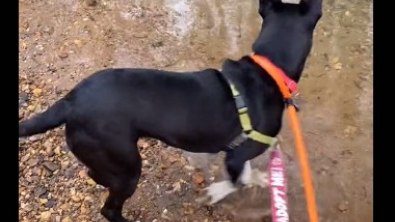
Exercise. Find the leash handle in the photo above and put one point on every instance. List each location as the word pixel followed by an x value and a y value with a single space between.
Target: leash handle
pixel 278 186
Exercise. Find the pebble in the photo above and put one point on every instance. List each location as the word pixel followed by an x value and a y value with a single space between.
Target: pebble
pixel 32 162
pixel 45 216
pixel 75 198
pixel 67 219
pixel 39 191
pixel 51 203
pixel 31 108
pixel 64 206
pixel 37 91
pixel 91 3
pixel 51 166
pixel 82 174
pixel 198 178
pixel 343 206
pixel 91 182
pixel 63 55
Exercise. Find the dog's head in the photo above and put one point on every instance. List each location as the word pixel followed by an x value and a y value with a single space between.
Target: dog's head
pixel 306 12
pixel 287 32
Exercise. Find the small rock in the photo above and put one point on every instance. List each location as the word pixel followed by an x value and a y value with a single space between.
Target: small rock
pixel 349 130
pixel 164 215
pixel 51 203
pixel 67 219
pixel 338 66
pixel 37 91
pixel 50 153
pixel 31 108
pixel 57 150
pixel 157 44
pixel 64 164
pixel 91 182
pixel 140 35
pixel 21 114
pixel 35 178
pixel 45 216
pixel 173 159
pixel 82 174
pixel 146 163
pixel 189 168
pixel 163 166
pixel 34 138
pixel 91 3
pixel 84 210
pixel 23 98
pixel 69 172
pixel 198 178
pixel 335 60
pixel 78 43
pixel 63 55
pixel 143 144
pixel 64 206
pixel 47 144
pixel 51 166
pixel 32 162
pixel 343 206
pixel 43 201
pixel 48 30
pixel 75 198
pixel 177 187
pixel 39 191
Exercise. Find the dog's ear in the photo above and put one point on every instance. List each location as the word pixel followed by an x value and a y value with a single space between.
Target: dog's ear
pixel 315 6
pixel 264 6
pixel 312 8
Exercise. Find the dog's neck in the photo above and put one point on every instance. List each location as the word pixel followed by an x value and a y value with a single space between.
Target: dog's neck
pixel 287 52
pixel 292 71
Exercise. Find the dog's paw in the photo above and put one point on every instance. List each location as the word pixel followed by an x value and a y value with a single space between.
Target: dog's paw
pixel 217 192
pixel 253 177
pixel 259 178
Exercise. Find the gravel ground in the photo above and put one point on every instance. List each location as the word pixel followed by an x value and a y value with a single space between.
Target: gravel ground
pixel 63 41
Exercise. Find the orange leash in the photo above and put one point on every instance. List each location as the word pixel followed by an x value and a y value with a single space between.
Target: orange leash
pixel 277 74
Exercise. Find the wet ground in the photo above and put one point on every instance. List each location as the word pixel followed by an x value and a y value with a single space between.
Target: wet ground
pixel 63 41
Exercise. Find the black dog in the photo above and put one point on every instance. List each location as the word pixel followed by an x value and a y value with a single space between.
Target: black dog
pixel 107 112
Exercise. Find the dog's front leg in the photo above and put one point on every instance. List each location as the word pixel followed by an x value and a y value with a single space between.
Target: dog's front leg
pixel 239 169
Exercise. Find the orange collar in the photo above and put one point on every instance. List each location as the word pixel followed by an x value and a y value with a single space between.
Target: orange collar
pixel 287 86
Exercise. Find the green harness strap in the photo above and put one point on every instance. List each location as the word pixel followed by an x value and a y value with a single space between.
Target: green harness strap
pixel 246 121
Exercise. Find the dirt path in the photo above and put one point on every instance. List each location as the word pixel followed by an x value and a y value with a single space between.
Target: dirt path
pixel 63 41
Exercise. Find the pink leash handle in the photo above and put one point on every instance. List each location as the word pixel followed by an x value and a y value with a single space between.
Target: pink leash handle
pixel 278 186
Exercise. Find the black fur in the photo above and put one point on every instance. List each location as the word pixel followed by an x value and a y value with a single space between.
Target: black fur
pixel 107 112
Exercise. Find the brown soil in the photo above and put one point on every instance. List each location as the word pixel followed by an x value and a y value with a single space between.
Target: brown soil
pixel 63 41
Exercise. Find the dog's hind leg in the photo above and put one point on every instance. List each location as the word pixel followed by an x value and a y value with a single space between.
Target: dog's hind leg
pixel 119 171
pixel 120 189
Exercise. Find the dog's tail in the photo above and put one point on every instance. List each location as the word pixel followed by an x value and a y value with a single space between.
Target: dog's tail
pixel 53 117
